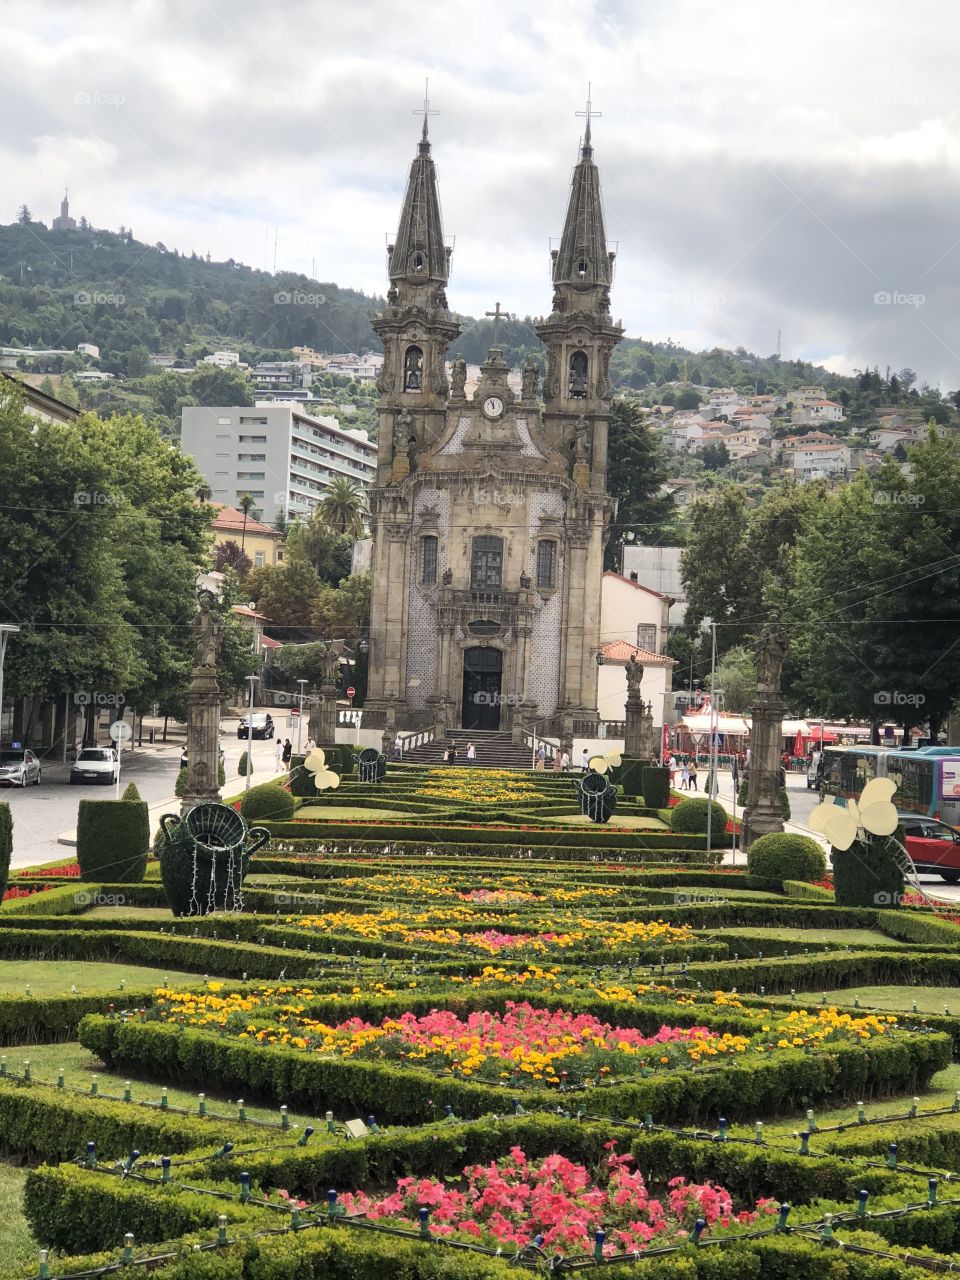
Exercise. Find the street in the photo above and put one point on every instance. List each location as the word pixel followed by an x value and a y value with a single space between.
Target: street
pixel 45 817
pixel 802 804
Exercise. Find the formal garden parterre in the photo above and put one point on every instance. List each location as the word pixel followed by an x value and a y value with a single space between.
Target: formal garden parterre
pixel 454 1031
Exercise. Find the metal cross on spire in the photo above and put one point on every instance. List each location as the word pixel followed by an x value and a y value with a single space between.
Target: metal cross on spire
pixel 425 110
pixel 497 316
pixel 588 114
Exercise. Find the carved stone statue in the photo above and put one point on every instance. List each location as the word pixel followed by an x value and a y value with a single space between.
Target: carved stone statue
pixel 330 665
pixel 458 378
pixel 530 385
pixel 525 581
pixel 447 577
pixel 581 443
pixel 771 651
pixel 207 633
pixel 634 671
pixel 403 432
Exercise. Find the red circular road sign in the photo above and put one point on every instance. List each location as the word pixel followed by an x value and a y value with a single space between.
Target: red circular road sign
pixel 351 691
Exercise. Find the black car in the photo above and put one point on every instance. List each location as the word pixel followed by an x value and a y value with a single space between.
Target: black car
pixel 262 726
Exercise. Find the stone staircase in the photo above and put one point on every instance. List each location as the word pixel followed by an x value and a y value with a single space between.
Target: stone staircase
pixel 494 750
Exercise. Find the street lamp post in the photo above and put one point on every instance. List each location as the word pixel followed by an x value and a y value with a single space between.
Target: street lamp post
pixel 252 680
pixel 7 629
pixel 301 683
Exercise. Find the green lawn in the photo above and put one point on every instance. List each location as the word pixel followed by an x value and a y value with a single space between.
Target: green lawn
pixel 334 812
pixel 850 937
pixel 138 913
pixel 928 999
pixel 618 820
pixel 56 977
pixel 17 1245
pixel 79 1065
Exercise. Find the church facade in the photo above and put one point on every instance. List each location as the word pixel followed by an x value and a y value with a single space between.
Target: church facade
pixel 489 514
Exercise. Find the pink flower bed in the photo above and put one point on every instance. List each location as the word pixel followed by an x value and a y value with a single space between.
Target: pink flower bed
pixel 514 1201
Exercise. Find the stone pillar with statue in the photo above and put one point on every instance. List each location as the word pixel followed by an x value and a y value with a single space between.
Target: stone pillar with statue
pixel 203 708
pixel 639 737
pixel 762 814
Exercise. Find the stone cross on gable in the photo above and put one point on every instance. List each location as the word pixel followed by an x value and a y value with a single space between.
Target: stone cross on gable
pixel 497 315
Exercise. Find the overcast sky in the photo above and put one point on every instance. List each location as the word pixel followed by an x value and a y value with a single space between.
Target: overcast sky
pixel 765 166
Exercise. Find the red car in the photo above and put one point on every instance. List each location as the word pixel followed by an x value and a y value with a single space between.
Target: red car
pixel 933 845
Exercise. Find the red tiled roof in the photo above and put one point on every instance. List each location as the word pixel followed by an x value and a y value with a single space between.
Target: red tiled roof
pixel 244 612
pixel 230 520
pixel 620 651
pixel 267 643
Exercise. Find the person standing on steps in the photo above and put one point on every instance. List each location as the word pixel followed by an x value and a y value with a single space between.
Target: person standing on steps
pixel 471 753
pixel 398 747
pixel 565 761
pixel 453 753
pixel 541 757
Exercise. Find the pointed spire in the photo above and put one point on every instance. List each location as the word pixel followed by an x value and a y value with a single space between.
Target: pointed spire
pixel 582 258
pixel 419 254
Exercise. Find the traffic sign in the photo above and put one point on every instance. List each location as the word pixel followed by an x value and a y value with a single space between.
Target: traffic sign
pixel 351 691
pixel 120 731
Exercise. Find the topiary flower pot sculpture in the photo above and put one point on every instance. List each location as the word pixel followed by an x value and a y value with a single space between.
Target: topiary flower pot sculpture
pixel 373 766
pixel 598 797
pixel 204 858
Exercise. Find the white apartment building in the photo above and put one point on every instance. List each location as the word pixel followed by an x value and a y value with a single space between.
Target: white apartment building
pixel 222 359
pixel 810 461
pixel 284 458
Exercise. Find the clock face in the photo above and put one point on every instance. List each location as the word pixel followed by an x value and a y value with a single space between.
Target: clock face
pixel 493 406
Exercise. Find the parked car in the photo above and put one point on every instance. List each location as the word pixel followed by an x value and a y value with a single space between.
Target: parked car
pixel 96 764
pixel 262 726
pixel 933 845
pixel 183 757
pixel 18 766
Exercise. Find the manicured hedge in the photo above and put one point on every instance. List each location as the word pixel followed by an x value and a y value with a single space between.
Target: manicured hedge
pixel 76 1210
pixel 785 854
pixel 268 800
pixel 740 1089
pixel 690 816
pixel 867 874
pixel 113 837
pixel 41 1122
pixel 59 900
pixel 6 845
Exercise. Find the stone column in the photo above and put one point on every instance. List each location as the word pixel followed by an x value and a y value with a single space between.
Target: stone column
pixel 762 814
pixel 203 740
pixel 323 715
pixel 633 732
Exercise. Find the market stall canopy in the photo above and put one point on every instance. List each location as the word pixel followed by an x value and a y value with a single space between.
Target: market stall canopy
pixel 722 723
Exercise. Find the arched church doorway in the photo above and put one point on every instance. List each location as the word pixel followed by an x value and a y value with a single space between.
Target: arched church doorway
pixel 482 674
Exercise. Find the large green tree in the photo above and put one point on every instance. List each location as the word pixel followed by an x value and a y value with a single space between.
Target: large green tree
pixel 635 473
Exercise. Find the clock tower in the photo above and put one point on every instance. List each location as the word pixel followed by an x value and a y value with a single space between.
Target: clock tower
pixel 489 512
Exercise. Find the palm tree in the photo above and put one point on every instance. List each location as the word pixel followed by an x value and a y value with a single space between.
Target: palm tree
pixel 343 507
pixel 245 504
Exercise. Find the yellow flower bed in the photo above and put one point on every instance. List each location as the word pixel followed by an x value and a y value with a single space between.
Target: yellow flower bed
pixel 477 786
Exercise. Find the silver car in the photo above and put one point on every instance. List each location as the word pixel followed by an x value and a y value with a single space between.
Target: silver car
pixel 18 767
pixel 96 764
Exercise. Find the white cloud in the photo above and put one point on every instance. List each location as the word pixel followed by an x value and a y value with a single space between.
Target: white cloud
pixel 791 160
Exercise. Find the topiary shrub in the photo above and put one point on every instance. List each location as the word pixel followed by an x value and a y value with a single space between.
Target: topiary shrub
pixel 301 781
pixel 655 785
pixel 113 837
pixel 6 845
pixel 784 856
pixel 268 801
pixel 867 875
pixel 742 793
pixel 784 804
pixel 690 816
pixel 180 790
pixel 131 792
pixel 242 765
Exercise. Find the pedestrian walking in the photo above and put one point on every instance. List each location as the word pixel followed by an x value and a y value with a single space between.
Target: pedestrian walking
pixel 310 745
pixel 446 755
pixel 453 753
pixel 692 776
pixel 278 751
pixel 565 761
pixel 556 762
pixel 672 766
pixel 471 753
pixel 541 757
pixel 287 752
pixel 685 778
pixel 584 759
pixel 398 747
